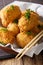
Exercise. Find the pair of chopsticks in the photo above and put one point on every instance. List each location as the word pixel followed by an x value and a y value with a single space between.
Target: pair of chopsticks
pixel 29 45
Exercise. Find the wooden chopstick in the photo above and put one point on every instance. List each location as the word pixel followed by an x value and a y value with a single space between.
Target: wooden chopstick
pixel 29 44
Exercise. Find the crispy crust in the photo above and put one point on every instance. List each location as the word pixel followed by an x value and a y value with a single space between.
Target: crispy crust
pixel 6 36
pixel 7 14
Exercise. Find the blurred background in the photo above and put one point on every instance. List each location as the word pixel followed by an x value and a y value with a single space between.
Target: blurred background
pixel 5 2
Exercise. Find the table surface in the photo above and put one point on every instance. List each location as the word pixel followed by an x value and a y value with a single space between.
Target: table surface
pixel 36 60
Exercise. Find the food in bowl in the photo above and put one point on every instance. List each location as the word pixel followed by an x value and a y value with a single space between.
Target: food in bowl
pixel 28 21
pixel 13 27
pixel 17 26
pixel 9 13
pixel 6 36
pixel 24 38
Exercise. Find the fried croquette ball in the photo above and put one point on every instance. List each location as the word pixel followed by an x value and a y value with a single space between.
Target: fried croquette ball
pixel 24 38
pixel 13 27
pixel 38 28
pixel 9 13
pixel 35 30
pixel 28 21
pixel 40 23
pixel 6 36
